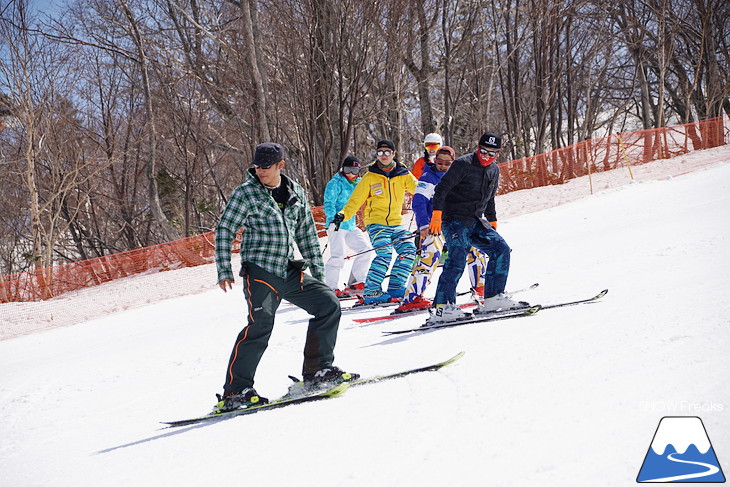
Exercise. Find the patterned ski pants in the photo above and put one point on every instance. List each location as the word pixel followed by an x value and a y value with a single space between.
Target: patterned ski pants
pixel 430 255
pixel 384 239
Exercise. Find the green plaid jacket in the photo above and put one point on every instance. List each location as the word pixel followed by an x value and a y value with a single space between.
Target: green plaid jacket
pixel 268 235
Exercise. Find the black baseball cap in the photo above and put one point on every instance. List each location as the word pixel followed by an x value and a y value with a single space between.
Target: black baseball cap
pixel 490 140
pixel 267 154
pixel 385 143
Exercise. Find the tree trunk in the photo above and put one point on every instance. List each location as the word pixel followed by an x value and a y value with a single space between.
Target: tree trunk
pixel 151 167
pixel 257 76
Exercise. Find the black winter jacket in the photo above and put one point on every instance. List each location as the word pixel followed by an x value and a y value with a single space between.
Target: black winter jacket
pixel 467 190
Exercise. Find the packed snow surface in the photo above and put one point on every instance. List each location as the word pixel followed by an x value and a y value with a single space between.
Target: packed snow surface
pixel 570 396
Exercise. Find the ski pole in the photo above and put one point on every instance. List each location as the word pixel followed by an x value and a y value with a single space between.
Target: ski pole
pixel 410 235
pixel 531 286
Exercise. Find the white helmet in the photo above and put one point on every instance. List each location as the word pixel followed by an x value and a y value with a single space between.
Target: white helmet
pixel 433 138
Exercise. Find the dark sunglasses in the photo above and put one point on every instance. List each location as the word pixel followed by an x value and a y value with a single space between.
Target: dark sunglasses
pixel 384 152
pixel 488 152
pixel 259 166
pixel 444 162
pixel 351 170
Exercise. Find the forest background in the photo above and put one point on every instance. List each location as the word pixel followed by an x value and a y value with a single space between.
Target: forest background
pixel 126 123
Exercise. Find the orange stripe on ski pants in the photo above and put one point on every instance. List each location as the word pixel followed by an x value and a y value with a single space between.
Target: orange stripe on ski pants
pixel 250 316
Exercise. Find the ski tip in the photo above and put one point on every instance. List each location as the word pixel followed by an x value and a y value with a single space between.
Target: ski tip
pixel 450 361
pixel 455 357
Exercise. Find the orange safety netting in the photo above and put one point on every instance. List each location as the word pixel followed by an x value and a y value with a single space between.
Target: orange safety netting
pixel 596 155
pixel 52 281
pixel 554 167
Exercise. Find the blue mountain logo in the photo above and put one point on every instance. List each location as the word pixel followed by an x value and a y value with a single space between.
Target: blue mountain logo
pixel 681 452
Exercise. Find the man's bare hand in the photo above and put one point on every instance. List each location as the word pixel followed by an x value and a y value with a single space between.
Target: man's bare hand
pixel 226 284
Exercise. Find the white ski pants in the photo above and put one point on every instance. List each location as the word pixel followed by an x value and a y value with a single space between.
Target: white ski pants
pixel 339 242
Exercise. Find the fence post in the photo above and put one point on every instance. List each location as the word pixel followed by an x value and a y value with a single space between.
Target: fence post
pixel 623 149
pixel 589 163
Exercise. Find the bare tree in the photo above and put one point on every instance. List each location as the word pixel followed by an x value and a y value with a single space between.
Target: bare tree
pixel 419 55
pixel 134 31
pixel 46 142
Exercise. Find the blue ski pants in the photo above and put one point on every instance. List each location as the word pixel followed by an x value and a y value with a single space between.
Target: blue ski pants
pixel 460 237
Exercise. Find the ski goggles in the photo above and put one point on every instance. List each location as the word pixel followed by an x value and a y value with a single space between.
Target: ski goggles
pixel 384 152
pixel 432 146
pixel 488 152
pixel 351 170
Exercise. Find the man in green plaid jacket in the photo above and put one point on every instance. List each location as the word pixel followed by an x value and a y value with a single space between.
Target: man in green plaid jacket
pixel 274 214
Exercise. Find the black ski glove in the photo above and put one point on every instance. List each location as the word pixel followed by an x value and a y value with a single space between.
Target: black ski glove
pixel 339 218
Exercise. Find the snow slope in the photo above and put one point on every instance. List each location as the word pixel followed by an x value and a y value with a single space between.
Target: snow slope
pixel 570 396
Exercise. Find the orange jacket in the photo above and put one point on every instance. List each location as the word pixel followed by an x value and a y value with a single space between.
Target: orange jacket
pixel 418 167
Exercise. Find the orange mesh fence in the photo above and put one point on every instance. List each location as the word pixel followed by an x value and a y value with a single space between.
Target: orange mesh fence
pixel 554 167
pixel 52 281
pixel 318 213
pixel 596 155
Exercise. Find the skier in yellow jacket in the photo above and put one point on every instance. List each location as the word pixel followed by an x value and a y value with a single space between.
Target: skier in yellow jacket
pixel 382 190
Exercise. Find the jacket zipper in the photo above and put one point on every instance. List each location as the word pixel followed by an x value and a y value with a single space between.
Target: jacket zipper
pixel 390 200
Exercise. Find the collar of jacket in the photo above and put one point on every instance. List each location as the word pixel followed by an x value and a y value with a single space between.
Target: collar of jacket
pixel 353 182
pixel 398 170
pixel 284 180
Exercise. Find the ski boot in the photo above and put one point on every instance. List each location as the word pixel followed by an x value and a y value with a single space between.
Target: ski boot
pixel 500 302
pixel 418 303
pixel 444 313
pixel 246 398
pixel 376 297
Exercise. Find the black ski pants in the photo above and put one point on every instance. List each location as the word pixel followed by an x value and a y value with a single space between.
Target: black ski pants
pixel 263 292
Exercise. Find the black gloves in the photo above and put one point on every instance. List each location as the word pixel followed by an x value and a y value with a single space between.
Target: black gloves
pixel 339 218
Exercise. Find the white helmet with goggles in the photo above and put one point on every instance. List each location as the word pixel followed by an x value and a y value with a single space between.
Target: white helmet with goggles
pixel 433 138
